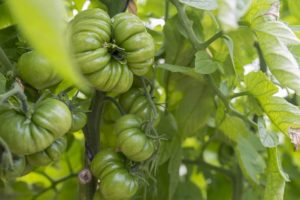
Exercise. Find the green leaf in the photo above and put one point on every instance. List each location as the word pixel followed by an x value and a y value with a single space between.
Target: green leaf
pixel 259 85
pixel 251 162
pixel 201 4
pixel 242 7
pixel 276 178
pixel 227 15
pixel 279 30
pixel 257 9
pixel 233 127
pixel 267 138
pixel 79 4
pixel 2 83
pixel 204 64
pixel 195 106
pixel 46 32
pixel 180 69
pixel 283 114
pixel 5 19
pixel 187 190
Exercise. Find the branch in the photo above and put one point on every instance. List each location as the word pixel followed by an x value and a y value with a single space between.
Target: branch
pixel 5 61
pixel 92 142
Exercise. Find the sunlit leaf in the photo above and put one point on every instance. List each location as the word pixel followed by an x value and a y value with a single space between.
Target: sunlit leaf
pixel 283 114
pixel 227 14
pixel 180 69
pixel 279 30
pixel 46 32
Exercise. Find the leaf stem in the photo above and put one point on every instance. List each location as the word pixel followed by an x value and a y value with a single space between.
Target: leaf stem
pixel 119 106
pixel 149 99
pixel 239 94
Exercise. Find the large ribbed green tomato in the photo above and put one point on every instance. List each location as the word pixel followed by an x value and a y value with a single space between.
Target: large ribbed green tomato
pixel 116 183
pixel 50 154
pixel 132 140
pixel 36 70
pixel 79 120
pixel 109 53
pixel 50 119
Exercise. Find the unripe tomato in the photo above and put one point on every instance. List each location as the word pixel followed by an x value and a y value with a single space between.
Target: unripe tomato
pixel 116 183
pixel 132 140
pixel 108 51
pixel 49 155
pixel 36 70
pixel 50 119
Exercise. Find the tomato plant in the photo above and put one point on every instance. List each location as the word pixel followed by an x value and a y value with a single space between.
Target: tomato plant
pixel 147 100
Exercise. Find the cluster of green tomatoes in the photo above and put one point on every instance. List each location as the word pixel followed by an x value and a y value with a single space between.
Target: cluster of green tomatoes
pixel 111 53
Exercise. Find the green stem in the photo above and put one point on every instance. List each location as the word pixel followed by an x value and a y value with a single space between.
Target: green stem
pixel 262 61
pixel 239 94
pixel 118 106
pixel 189 28
pixel 149 98
pixel 5 61
pixel 53 185
pixel 92 142
pixel 229 108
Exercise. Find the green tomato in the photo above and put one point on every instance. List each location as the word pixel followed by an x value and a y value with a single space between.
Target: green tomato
pixel 49 155
pixel 102 162
pixel 50 119
pixel 15 170
pixel 132 140
pixel 79 120
pixel 104 57
pixel 36 70
pixel 118 185
pixel 135 102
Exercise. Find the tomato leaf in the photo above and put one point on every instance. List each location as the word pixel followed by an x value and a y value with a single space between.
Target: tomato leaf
pixel 201 4
pixel 267 138
pixel 227 14
pixel 251 162
pixel 5 19
pixel 195 106
pixel 276 178
pixel 279 30
pixel 47 34
pixel 180 69
pixel 283 114
pixel 204 64
pixel 233 127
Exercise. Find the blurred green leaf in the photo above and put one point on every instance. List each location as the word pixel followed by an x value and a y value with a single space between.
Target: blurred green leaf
pixel 69 190
pixel 204 64
pixel 220 188
pixel 201 4
pixel 195 106
pixel 5 19
pixel 227 14
pixel 46 32
pixel 276 178
pixel 115 6
pixel 251 162
pixel 233 128
pixel 187 190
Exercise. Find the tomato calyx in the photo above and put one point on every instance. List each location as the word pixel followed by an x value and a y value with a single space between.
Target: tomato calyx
pixel 116 52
